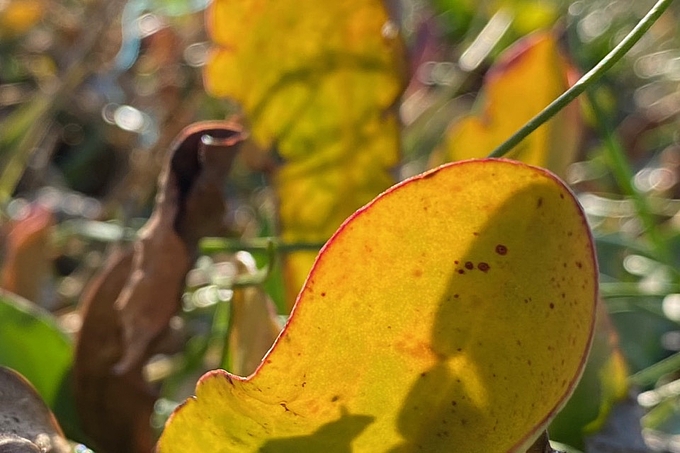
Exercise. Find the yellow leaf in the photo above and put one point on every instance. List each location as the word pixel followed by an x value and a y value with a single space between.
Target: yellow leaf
pixel 452 313
pixel 253 323
pixel 526 78
pixel 18 16
pixel 317 81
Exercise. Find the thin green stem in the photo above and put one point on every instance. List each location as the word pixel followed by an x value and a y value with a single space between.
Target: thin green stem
pixel 587 80
pixel 623 174
pixel 653 373
pixel 215 245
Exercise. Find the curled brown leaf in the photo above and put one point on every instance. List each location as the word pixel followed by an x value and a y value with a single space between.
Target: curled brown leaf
pixel 127 308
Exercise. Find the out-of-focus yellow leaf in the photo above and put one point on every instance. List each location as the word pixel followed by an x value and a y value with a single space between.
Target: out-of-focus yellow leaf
pixel 604 383
pixel 526 78
pixel 253 323
pixel 18 16
pixel 452 313
pixel 317 82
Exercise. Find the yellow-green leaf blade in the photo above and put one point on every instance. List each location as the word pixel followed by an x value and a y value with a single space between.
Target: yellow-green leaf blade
pixel 454 311
pixel 320 88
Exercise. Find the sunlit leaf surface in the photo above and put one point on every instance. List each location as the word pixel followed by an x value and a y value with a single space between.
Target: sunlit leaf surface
pixel 318 89
pixel 454 311
pixel 526 78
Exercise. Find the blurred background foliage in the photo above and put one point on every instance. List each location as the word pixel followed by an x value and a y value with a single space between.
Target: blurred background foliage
pixel 92 92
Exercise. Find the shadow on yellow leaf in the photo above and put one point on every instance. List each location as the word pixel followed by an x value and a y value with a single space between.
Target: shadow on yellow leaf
pixel 455 310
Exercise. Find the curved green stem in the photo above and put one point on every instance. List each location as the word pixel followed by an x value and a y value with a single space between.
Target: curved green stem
pixel 587 80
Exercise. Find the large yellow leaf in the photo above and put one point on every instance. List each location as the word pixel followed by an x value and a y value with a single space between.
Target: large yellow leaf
pixel 317 81
pixel 525 79
pixel 452 313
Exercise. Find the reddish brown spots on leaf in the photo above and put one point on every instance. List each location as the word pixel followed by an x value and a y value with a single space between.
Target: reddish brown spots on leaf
pixel 417 273
pixel 484 267
pixel 579 264
pixel 475 233
pixel 461 271
pixel 335 398
pixel 456 262
pixel 552 305
pixel 456 296
pixel 562 196
pixel 469 265
pixel 539 202
pixel 454 403
pixel 323 294
pixel 501 249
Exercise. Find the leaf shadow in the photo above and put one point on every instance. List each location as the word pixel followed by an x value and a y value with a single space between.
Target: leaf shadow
pixel 455 403
pixel 333 437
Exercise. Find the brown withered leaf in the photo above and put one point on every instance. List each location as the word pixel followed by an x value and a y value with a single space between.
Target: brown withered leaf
pixel 28 261
pixel 127 307
pixel 26 423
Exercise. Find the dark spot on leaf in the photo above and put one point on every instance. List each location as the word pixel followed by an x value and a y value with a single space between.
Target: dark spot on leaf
pixel 501 249
pixel 579 264
pixel 454 403
pixel 484 267
pixel 469 265
pixel 475 233
pixel 323 294
pixel 539 203
pixel 562 196
pixel 552 305
pixel 455 262
pixel 335 398
pixel 455 296
pixel 417 273
pixel 423 374
pixel 461 271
